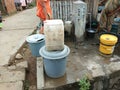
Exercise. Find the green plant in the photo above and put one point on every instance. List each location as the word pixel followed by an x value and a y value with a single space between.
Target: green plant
pixel 84 83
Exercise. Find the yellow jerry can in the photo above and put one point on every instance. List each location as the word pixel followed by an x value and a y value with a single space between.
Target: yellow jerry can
pixel 107 43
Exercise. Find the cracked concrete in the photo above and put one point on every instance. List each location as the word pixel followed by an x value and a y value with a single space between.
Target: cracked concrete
pixel 86 60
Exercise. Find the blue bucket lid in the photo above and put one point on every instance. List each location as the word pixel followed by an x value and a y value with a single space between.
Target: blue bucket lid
pixel 35 38
pixel 54 54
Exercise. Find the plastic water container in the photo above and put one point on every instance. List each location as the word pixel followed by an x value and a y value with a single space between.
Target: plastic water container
pixel 55 61
pixel 35 42
pixel 107 43
pixel 54 34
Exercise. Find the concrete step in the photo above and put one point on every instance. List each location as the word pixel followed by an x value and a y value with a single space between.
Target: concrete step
pixel 12 86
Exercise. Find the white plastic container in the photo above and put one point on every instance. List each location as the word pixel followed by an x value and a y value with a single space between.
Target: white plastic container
pixel 54 34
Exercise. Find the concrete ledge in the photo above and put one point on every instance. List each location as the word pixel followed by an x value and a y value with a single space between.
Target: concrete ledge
pixel 40 74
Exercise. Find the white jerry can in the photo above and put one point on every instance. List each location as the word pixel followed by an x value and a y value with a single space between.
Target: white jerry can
pixel 54 34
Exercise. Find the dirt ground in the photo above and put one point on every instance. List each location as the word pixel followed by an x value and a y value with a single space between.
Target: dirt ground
pixel 31 80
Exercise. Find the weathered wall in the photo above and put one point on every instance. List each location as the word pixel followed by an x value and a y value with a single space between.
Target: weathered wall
pixel 2 7
pixel 10 6
pixel 62 9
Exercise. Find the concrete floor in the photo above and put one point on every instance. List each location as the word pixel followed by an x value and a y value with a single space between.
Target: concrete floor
pixel 15 30
pixel 85 60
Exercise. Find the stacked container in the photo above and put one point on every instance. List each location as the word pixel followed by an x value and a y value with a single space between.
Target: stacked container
pixel 107 43
pixel 54 52
pixel 54 35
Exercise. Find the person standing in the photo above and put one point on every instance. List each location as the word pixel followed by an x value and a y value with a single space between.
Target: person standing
pixel 18 5
pixel 23 4
pixel 112 8
pixel 44 12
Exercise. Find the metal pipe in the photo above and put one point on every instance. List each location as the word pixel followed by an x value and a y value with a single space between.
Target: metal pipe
pixel 90 19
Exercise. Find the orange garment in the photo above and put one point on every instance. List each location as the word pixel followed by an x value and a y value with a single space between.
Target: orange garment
pixel 41 12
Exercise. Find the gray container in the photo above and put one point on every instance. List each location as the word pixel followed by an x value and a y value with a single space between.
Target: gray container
pixel 55 61
pixel 35 42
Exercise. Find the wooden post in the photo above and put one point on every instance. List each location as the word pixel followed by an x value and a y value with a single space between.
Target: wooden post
pixel 10 6
pixel 92 6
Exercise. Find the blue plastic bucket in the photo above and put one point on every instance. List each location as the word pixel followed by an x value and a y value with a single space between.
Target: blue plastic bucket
pixel 35 42
pixel 55 61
